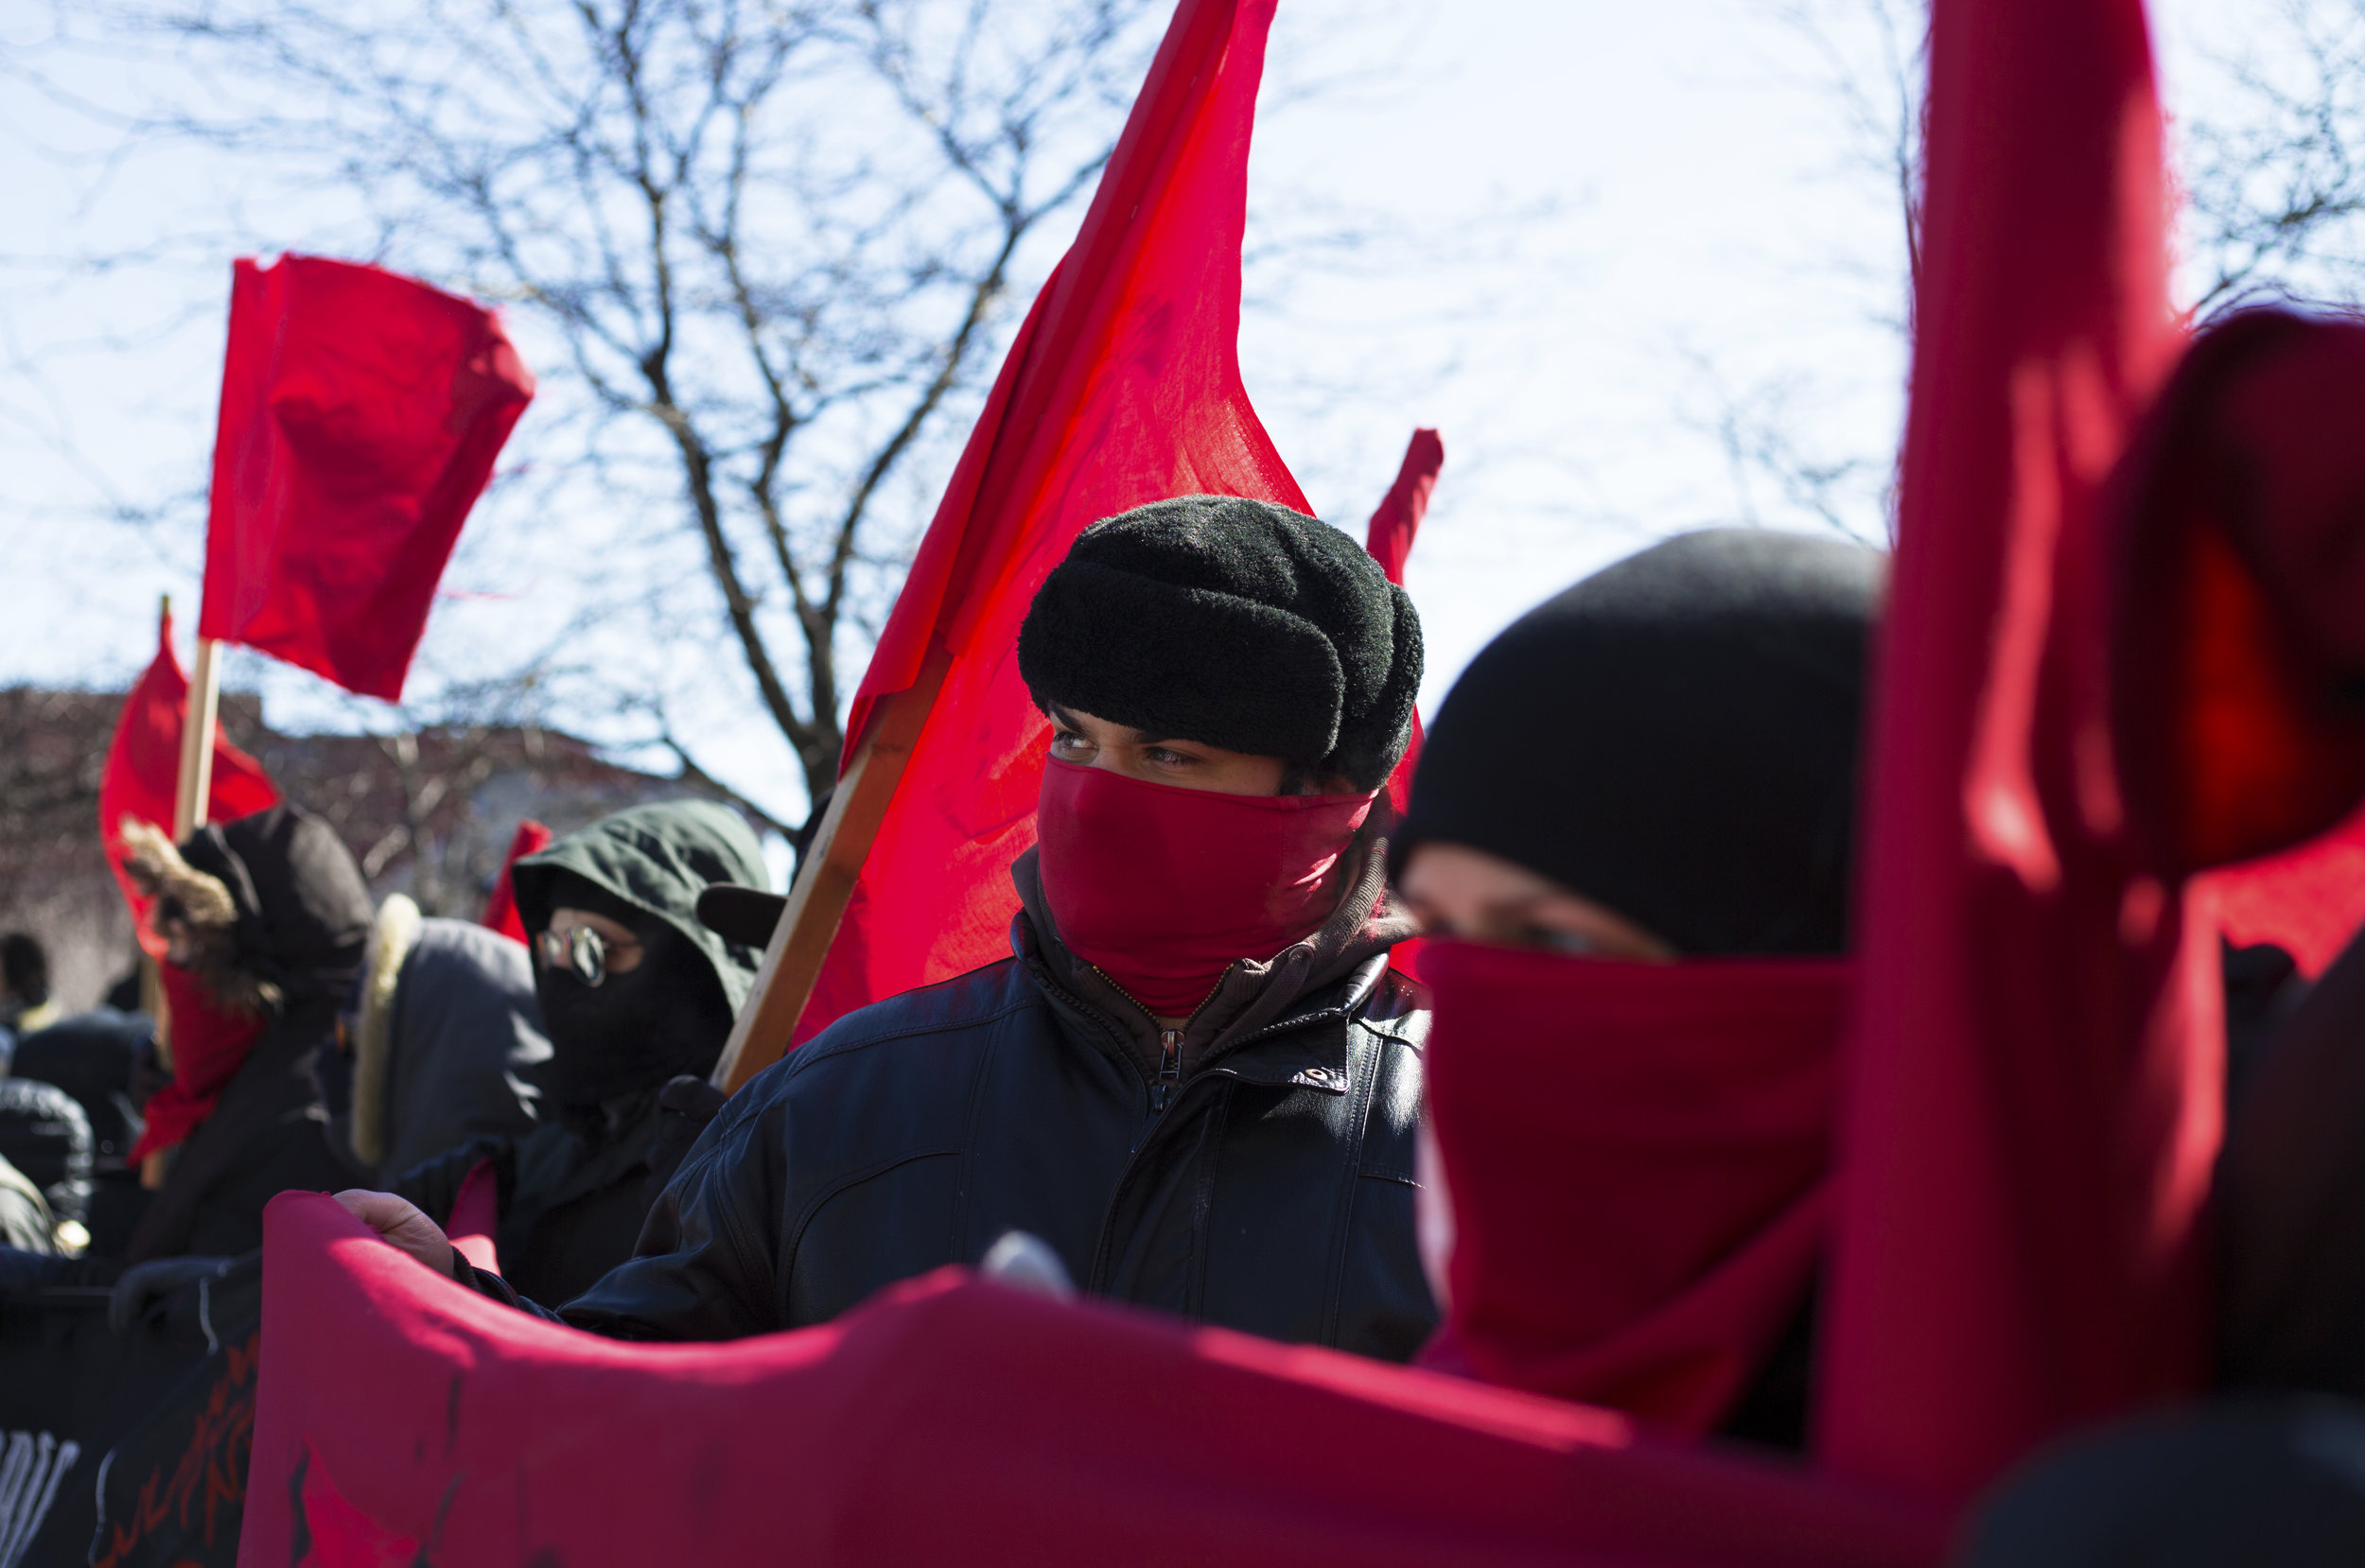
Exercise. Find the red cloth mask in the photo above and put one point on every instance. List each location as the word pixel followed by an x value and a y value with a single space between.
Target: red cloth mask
pixel 1163 889
pixel 208 1047
pixel 1636 1156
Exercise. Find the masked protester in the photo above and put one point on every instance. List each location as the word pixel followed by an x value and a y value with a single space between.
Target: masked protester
pixel 265 918
pixel 1630 826
pixel 1196 1079
pixel 633 992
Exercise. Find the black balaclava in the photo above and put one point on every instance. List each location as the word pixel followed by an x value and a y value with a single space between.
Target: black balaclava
pixel 671 1014
pixel 302 911
pixel 1236 623
pixel 634 1029
pixel 1675 739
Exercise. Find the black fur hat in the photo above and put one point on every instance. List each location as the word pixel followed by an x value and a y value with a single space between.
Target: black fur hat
pixel 1235 623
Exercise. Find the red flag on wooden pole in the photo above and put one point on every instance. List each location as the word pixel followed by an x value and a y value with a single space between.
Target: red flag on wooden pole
pixel 360 415
pixel 142 766
pixel 2032 1102
pixel 1123 387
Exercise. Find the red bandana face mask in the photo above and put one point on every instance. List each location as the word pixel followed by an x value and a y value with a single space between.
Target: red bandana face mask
pixel 1635 1155
pixel 208 1047
pixel 1162 888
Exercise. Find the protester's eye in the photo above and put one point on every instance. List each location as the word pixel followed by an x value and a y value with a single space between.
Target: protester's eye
pixel 1066 744
pixel 1166 758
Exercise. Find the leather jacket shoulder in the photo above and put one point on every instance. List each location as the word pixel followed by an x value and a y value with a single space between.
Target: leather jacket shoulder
pixel 1269 1189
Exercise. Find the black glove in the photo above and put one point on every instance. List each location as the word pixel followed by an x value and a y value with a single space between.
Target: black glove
pixel 143 1285
pixel 684 1106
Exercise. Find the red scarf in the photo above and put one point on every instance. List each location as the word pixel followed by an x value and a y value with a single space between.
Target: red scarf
pixel 208 1048
pixel 1163 889
pixel 1637 1155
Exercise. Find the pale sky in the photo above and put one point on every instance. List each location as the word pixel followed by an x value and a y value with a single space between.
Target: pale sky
pixel 1708 236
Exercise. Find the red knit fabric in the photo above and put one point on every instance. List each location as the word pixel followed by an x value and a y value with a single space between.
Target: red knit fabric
pixel 1638 1157
pixel 1163 888
pixel 208 1048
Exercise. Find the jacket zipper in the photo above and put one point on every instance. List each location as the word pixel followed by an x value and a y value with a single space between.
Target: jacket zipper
pixel 1169 1077
pixel 1169 1069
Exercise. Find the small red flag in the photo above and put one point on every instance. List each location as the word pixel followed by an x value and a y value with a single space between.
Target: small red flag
pixel 360 415
pixel 1123 388
pixel 142 772
pixel 1388 535
pixel 501 908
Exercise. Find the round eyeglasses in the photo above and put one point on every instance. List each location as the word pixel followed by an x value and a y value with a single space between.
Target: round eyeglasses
pixel 579 949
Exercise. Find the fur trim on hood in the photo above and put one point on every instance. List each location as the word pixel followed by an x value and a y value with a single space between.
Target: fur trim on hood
pixel 391 940
pixel 204 903
pixel 178 887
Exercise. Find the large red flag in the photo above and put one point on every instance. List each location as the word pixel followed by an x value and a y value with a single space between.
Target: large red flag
pixel 360 415
pixel 402 1418
pixel 1123 387
pixel 142 772
pixel 2033 1093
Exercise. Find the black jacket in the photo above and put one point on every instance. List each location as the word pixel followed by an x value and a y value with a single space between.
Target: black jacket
pixel 571 1197
pixel 300 915
pixel 1256 1172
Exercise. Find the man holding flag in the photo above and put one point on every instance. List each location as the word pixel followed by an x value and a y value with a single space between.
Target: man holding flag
pixel 1196 1078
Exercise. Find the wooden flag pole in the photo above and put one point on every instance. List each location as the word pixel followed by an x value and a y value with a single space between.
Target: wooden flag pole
pixel 192 793
pixel 196 786
pixel 825 881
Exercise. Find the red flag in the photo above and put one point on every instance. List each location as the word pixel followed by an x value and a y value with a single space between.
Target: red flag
pixel 1389 538
pixel 401 1418
pixel 142 772
pixel 360 414
pixel 1388 535
pixel 2032 1105
pixel 500 907
pixel 1123 387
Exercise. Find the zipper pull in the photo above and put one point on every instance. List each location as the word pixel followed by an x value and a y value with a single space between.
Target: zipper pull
pixel 1169 1067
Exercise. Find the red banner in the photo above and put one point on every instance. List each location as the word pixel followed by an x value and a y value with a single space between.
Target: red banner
pixel 2033 1097
pixel 1123 387
pixel 360 415
pixel 403 1418
pixel 142 772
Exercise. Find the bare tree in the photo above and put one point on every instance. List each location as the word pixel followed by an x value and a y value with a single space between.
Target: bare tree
pixel 2273 176
pixel 2274 186
pixel 774 244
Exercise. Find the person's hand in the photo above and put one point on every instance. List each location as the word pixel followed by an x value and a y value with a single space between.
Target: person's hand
pixel 143 1285
pixel 400 1226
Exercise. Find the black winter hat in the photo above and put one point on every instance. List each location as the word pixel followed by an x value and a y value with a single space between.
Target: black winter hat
pixel 1235 623
pixel 1675 737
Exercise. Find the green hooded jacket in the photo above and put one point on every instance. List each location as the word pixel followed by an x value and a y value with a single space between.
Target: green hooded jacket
pixel 573 1198
pixel 657 859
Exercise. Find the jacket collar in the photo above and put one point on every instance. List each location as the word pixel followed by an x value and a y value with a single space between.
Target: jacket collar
pixel 1269 1003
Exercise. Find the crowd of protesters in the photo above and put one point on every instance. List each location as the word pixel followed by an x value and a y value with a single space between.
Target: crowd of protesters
pixel 1584 1154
